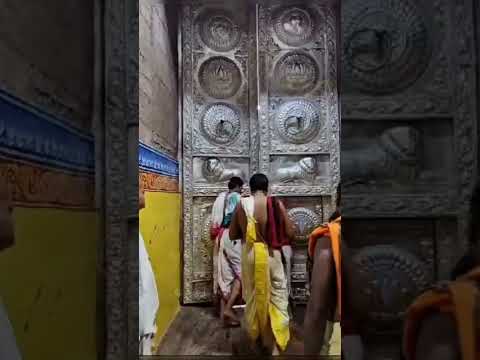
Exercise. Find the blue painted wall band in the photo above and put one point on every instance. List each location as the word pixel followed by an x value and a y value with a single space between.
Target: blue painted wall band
pixel 152 160
pixel 31 134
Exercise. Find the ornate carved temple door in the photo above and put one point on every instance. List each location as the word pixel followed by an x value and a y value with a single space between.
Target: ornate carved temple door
pixel 259 95
pixel 408 152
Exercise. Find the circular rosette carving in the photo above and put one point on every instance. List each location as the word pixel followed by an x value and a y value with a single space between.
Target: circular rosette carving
pixel 384 52
pixel 220 123
pixel 296 73
pixel 220 77
pixel 294 26
pixel 298 121
pixel 218 30
pixel 384 280
pixel 305 221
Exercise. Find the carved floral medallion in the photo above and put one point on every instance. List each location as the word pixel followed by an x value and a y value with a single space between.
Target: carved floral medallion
pixel 220 77
pixel 296 73
pixel 294 26
pixel 219 31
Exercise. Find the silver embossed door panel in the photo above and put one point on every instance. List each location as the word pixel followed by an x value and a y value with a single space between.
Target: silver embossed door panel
pixel 408 154
pixel 259 94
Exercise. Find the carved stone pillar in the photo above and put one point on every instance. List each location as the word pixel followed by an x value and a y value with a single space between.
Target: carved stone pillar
pixel 121 178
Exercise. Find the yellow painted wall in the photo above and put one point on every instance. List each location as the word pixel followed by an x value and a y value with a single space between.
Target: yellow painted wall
pixel 48 281
pixel 160 228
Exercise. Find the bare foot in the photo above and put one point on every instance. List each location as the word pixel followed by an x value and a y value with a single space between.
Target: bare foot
pixel 228 314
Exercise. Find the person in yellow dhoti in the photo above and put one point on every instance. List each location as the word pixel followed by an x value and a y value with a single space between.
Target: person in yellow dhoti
pixel 262 223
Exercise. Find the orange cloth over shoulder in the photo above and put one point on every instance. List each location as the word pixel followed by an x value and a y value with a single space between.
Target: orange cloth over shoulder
pixel 457 298
pixel 333 231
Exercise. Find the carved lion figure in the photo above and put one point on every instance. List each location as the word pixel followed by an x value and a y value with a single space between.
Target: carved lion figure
pixel 397 155
pixel 304 170
pixel 214 171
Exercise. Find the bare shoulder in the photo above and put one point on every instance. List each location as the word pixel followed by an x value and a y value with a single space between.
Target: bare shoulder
pixel 437 338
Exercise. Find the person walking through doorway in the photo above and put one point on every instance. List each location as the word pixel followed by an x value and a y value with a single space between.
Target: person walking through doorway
pixel 261 221
pixel 227 252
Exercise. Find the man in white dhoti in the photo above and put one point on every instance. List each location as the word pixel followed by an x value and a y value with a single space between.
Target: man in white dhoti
pixel 8 343
pixel 227 252
pixel 148 302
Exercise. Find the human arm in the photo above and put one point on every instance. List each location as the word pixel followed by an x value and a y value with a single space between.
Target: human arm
pixel 322 297
pixel 437 338
pixel 235 228
pixel 289 225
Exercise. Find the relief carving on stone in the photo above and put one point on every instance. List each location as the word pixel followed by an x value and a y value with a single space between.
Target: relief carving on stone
pixel 218 171
pixel 294 25
pixel 219 77
pixel 403 58
pixel 298 121
pixel 411 155
pixel 305 221
pixel 299 280
pixel 396 156
pixel 218 30
pixel 299 170
pixel 220 128
pixel 221 123
pixel 306 214
pixel 384 52
pixel 390 278
pixel 295 74
pixel 299 125
pixel 305 169
pixel 202 245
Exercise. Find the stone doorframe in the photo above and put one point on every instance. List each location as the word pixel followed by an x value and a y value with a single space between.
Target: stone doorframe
pixel 116 132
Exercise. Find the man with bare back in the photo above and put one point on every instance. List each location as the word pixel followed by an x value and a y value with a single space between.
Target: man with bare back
pixel 261 221
pixel 328 260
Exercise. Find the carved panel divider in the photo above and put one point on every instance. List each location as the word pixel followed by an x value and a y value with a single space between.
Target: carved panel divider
pixel 259 94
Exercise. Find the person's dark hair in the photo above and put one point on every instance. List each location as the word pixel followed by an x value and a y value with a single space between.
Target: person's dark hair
pixel 258 182
pixel 234 183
